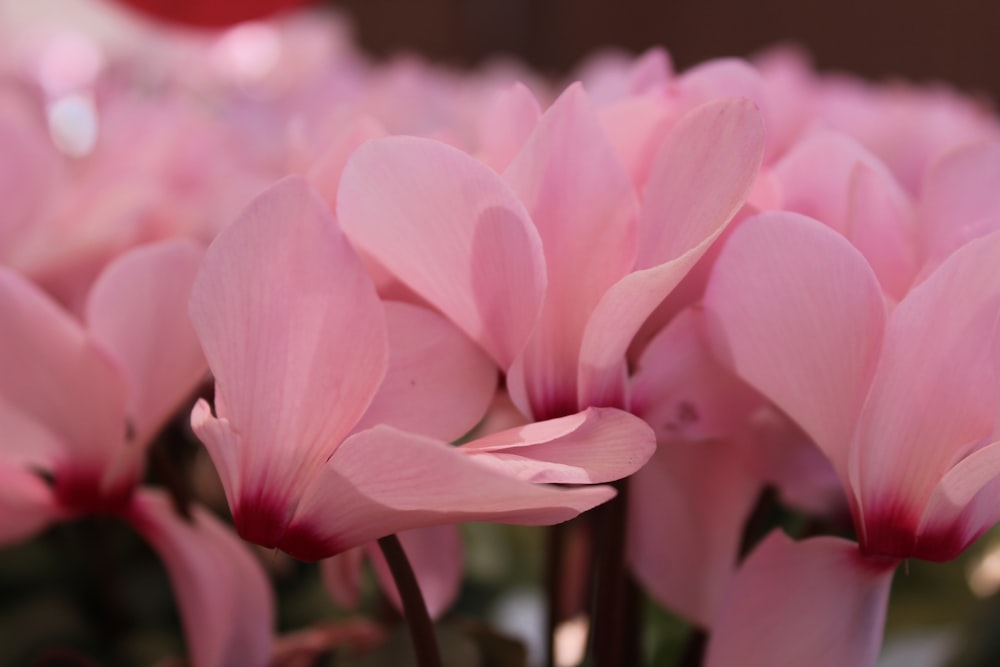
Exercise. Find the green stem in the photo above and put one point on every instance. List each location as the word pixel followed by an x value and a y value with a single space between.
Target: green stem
pixel 421 628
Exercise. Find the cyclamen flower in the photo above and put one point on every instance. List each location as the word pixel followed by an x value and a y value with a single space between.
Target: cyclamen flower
pixel 903 405
pixel 312 400
pixel 79 405
pixel 552 266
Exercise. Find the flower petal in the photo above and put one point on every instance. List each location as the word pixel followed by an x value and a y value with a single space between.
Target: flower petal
pixel 934 395
pixel 222 591
pixel 818 602
pixel 453 231
pixel 798 313
pixel 438 383
pixel 27 504
pixel 593 446
pixel 295 336
pixel 137 309
pixel 382 481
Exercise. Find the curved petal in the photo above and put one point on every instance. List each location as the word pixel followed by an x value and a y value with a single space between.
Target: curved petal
pixel 27 504
pixel 700 178
pixel 798 313
pixel 879 224
pixel 507 121
pixel 584 208
pixel 934 395
pixel 817 602
pixel 687 511
pixel 295 336
pixel 957 193
pixel 435 554
pixel 438 382
pixel 683 212
pixel 593 446
pixel 325 172
pixel 137 309
pixel 451 229
pixel 51 372
pixel 382 481
pixel 223 594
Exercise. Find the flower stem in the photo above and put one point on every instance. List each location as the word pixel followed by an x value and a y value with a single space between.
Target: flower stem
pixel 614 631
pixel 421 628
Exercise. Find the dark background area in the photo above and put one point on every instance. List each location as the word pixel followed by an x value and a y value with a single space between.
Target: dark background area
pixel 955 41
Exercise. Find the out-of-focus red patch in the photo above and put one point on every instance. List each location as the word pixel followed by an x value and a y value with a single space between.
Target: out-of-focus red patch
pixel 211 13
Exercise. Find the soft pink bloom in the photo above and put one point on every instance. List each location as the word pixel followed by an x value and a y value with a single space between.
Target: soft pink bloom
pixel 330 430
pixel 902 403
pixel 79 404
pixel 552 266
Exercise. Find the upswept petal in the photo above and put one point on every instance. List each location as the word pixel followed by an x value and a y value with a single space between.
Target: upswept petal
pixel 435 554
pixel 438 382
pixel 137 309
pixel 53 373
pixel 957 193
pixel 687 510
pixel 880 225
pixel 452 230
pixel 593 446
pixel 636 127
pixel 700 178
pixel 507 121
pixel 963 506
pixel 27 504
pixel 797 312
pixel 295 336
pixel 585 210
pixel 223 594
pixel 935 392
pixel 818 602
pixel 382 481
pixel 815 176
pixel 325 173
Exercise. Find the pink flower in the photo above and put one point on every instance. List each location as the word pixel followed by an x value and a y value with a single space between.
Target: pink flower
pixel 334 410
pixel 552 266
pixel 79 405
pixel 903 405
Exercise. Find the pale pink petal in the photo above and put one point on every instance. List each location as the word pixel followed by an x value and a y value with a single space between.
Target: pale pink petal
pixel 325 173
pixel 818 602
pixel 222 592
pixel 700 178
pixel 506 123
pixel 593 446
pixel 295 336
pixel 682 391
pixel 435 554
pixel 797 312
pixel 815 176
pixel 958 193
pixel 880 225
pixel 342 577
pixel 30 169
pixel 29 442
pixel 137 310
pixel 934 395
pixel 438 382
pixel 636 127
pixel 584 208
pixel 382 481
pixel 451 229
pixel 27 503
pixel 53 373
pixel 963 506
pixel 687 511
pixel 683 213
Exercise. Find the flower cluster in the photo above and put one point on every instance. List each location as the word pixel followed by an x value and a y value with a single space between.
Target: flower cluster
pixel 699 285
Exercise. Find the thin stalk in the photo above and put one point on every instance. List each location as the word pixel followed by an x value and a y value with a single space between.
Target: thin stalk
pixel 419 621
pixel 554 584
pixel 611 641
